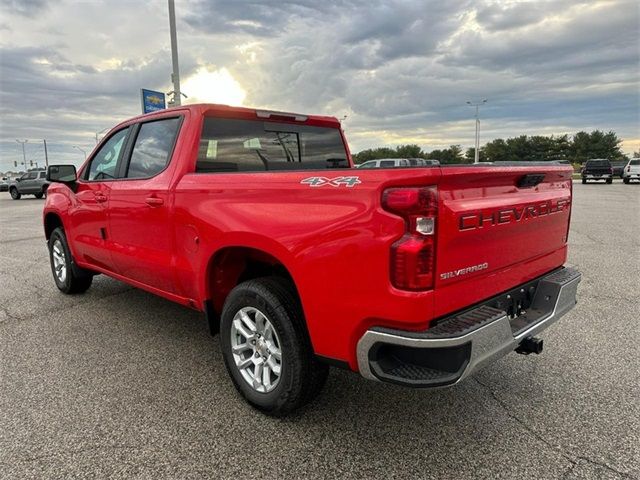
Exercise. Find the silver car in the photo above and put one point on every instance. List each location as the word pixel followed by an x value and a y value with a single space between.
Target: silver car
pixel 33 182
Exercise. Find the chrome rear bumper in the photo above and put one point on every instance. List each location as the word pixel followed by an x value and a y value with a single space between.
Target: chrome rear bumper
pixel 459 345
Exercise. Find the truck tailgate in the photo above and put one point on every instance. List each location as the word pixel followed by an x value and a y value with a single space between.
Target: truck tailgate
pixel 496 219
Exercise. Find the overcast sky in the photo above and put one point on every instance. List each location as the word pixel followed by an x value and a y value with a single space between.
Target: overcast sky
pixel 400 70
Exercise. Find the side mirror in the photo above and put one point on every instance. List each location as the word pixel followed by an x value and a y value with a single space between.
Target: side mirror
pixel 62 173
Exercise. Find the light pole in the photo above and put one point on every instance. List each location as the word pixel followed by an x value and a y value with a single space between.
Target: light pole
pixel 83 151
pixel 176 101
pixel 24 156
pixel 476 158
pixel 46 155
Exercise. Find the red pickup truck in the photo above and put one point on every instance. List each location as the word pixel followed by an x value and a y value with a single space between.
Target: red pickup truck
pixel 416 276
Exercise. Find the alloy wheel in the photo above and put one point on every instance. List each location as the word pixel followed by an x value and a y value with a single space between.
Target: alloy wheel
pixel 255 346
pixel 59 261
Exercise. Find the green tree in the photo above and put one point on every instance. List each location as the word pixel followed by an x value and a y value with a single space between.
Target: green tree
pixel 560 148
pixel 375 153
pixel 596 144
pixel 409 151
pixel 453 154
pixel 495 151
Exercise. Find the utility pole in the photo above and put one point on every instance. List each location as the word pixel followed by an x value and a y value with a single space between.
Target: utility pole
pixel 46 155
pixel 24 156
pixel 477 150
pixel 175 76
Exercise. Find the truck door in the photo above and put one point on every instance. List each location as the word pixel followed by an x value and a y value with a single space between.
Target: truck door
pixel 27 183
pixel 141 228
pixel 88 214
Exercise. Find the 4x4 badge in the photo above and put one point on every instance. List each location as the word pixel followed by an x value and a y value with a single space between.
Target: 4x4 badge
pixel 334 182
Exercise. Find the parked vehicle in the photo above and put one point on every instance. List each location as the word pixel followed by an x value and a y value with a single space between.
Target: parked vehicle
pixel 597 169
pixel 414 276
pixel 385 163
pixel 33 182
pixel 397 162
pixel 422 162
pixel 618 168
pixel 4 184
pixel 631 170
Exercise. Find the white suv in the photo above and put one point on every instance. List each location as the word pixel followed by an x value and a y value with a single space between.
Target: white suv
pixel 631 171
pixel 398 162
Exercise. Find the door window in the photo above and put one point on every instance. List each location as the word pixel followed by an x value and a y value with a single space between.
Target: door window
pixel 104 164
pixel 153 148
pixel 30 176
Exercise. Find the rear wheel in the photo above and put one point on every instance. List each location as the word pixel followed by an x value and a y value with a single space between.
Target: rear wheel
pixel 15 194
pixel 584 180
pixel 609 180
pixel 69 278
pixel 39 195
pixel 266 348
pixel 625 180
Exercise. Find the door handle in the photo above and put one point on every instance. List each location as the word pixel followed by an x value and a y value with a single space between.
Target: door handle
pixel 154 201
pixel 100 198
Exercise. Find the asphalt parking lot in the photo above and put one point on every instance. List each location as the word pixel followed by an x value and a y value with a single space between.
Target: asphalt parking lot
pixel 119 383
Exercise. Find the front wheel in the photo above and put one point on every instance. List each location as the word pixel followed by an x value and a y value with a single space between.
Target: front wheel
pixel 266 347
pixel 625 180
pixel 68 277
pixel 15 194
pixel 609 180
pixel 584 180
pixel 39 195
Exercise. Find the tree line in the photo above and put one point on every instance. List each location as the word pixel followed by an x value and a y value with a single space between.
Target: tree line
pixel 576 149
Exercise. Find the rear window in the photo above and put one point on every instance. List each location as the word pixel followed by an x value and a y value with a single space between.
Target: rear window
pixel 231 145
pixel 634 162
pixel 598 163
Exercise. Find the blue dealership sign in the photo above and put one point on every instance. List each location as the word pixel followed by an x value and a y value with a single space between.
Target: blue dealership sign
pixel 152 101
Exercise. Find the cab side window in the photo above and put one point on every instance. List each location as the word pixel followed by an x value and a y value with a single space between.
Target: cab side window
pixel 104 165
pixel 153 148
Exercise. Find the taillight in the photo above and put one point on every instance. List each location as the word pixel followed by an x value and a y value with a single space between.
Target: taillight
pixel 413 255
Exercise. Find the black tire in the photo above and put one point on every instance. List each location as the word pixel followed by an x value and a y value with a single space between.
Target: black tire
pixel 15 194
pixel 584 181
pixel 76 279
pixel 302 375
pixel 39 195
pixel 609 180
pixel 625 180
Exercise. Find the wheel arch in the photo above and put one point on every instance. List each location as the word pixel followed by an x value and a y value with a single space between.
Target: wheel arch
pixel 231 265
pixel 51 221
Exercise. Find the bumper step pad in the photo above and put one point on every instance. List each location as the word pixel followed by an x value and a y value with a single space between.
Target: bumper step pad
pixel 458 345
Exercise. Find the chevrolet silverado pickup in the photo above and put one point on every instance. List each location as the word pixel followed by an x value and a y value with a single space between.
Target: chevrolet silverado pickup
pixel 597 169
pixel 415 276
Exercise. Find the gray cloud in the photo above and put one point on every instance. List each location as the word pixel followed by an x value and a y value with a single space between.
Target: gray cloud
pixel 400 69
pixel 24 7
